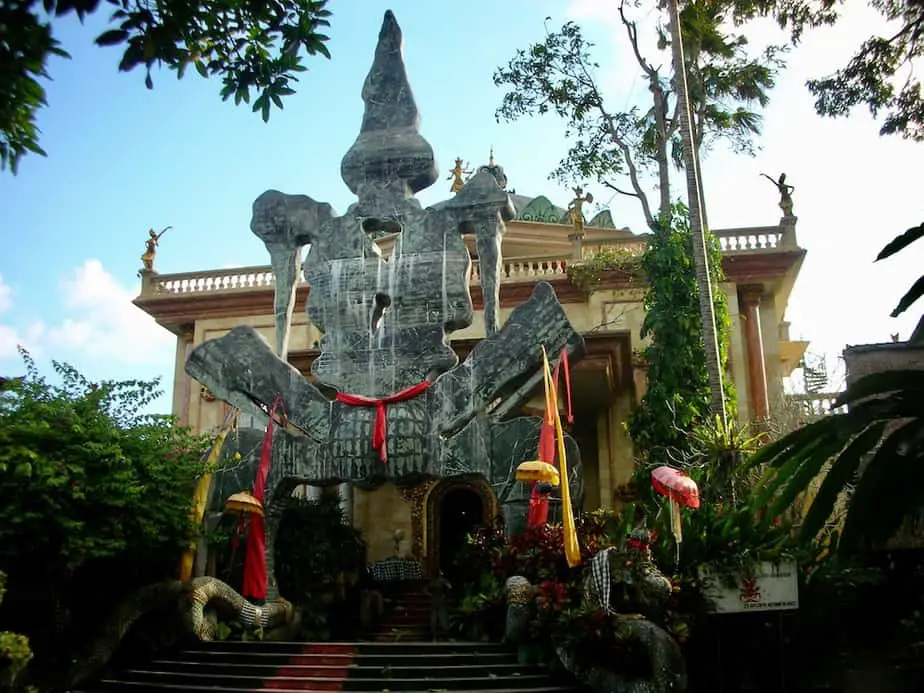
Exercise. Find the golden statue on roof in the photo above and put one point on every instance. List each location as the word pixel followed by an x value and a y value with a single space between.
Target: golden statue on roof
pixel 455 175
pixel 150 249
pixel 576 208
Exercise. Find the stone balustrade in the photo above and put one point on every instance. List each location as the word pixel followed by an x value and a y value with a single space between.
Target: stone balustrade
pixel 261 278
pixel 817 403
pixel 257 278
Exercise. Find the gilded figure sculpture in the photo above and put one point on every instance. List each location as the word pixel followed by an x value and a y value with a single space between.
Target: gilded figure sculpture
pixel 455 175
pixel 785 191
pixel 150 249
pixel 576 208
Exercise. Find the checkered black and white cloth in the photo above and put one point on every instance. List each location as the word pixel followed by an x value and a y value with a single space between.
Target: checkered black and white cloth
pixel 601 575
pixel 395 569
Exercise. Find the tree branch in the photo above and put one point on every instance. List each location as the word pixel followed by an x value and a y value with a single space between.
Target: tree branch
pixel 619 190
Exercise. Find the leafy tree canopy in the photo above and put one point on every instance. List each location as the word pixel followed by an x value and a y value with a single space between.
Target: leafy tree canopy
pixel 86 476
pixel 251 45
pixel 619 149
pixel 880 74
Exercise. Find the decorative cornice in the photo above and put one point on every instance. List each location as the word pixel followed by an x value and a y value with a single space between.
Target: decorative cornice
pixel 178 312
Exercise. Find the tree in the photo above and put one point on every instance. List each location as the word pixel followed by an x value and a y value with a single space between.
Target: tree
pixel 707 96
pixel 620 149
pixel 875 450
pixel 880 74
pixel 96 494
pixel 690 148
pixel 678 396
pixel 250 45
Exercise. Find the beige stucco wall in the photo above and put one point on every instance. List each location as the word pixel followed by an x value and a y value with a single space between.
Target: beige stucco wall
pixel 378 514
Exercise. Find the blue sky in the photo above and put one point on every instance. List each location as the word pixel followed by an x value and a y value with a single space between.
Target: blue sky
pixel 123 159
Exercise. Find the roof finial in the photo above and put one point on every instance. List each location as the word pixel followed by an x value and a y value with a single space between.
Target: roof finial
pixel 491 157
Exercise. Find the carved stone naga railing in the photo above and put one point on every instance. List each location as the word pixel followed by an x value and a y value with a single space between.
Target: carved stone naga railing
pixel 386 325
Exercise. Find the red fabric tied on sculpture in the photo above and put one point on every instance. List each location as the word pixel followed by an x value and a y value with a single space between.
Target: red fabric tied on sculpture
pixel 674 484
pixel 379 431
pixel 255 554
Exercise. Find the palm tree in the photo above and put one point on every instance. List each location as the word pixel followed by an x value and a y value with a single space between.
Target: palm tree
pixel 875 451
pixel 697 215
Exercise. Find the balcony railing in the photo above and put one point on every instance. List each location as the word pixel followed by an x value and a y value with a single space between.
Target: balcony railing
pixel 518 270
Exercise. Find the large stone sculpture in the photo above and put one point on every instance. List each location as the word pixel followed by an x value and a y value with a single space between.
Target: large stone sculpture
pixel 405 408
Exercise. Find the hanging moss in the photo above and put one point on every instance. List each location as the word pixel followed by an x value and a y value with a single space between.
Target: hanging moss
pixel 678 396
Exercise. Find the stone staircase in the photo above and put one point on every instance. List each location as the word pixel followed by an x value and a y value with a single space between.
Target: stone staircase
pixel 392 667
pixel 407 618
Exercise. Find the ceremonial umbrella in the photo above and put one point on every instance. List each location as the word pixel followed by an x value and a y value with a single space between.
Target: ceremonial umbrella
pixel 679 489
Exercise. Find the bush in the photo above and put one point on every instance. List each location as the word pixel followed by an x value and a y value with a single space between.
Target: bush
pixel 97 496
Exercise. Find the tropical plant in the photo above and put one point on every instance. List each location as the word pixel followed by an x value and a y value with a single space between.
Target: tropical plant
pixel 679 394
pixel 15 654
pixel 250 45
pixel 875 450
pixel 96 497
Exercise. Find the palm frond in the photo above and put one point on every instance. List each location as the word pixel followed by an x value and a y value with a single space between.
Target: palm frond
pixel 901 241
pixel 912 295
pixel 842 472
pixel 883 383
pixel 886 490
pixel 808 467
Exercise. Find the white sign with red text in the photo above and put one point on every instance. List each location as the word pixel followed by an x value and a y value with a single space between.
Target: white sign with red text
pixel 766 587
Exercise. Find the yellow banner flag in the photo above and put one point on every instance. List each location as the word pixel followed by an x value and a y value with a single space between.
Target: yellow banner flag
pixel 572 547
pixel 200 498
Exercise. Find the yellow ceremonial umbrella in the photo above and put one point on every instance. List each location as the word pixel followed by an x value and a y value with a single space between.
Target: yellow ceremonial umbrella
pixel 538 470
pixel 243 502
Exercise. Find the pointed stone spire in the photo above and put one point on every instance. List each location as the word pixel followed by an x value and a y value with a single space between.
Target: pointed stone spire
pixel 390 160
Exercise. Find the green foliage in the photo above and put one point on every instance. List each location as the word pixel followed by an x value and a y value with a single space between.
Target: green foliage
pixel 726 84
pixel 96 503
pixel 86 476
pixel 875 451
pixel 876 447
pixel 15 654
pixel 678 395
pixel 880 74
pixel 250 45
pixel 586 273
pixel 315 546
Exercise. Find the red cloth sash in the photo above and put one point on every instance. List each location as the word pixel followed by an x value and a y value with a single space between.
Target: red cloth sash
pixel 255 553
pixel 379 431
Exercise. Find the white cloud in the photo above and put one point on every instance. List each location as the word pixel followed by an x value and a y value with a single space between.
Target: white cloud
pixel 6 296
pixel 103 325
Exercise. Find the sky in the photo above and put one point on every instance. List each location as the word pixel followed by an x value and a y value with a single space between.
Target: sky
pixel 123 159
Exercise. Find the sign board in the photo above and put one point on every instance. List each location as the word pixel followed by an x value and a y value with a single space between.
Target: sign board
pixel 769 587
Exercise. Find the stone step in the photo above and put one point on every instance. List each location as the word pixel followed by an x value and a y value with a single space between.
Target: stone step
pixel 472 679
pixel 353 670
pixel 361 667
pixel 436 659
pixel 147 687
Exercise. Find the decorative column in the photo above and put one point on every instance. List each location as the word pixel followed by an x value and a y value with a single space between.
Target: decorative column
pixel 749 300
pixel 345 490
pixel 489 231
pixel 577 246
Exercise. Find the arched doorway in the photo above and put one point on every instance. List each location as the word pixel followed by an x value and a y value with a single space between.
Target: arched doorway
pixel 455 508
pixel 461 512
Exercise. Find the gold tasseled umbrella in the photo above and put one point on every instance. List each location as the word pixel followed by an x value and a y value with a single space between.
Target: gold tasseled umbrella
pixel 537 470
pixel 243 502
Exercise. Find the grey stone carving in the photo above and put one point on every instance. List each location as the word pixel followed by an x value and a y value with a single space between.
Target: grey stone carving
pixel 385 324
